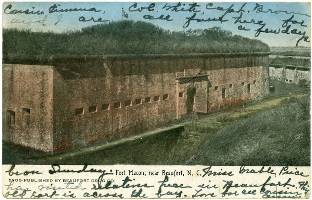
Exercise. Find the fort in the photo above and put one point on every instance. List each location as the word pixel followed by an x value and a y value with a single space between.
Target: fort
pixel 58 104
pixel 290 69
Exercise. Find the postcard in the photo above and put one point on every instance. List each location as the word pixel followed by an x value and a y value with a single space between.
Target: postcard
pixel 156 100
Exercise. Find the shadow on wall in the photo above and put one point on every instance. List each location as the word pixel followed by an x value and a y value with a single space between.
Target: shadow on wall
pixel 191 91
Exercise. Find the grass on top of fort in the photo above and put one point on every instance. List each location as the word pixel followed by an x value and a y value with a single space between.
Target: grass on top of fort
pixel 275 131
pixel 124 37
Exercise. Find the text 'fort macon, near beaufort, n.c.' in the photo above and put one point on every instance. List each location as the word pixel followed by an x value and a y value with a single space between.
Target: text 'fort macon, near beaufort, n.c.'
pixel 60 103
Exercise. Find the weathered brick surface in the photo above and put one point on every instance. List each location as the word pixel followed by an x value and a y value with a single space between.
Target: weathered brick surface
pixel 97 82
pixel 28 87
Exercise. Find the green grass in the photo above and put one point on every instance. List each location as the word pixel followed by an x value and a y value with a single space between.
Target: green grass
pixel 123 37
pixel 284 89
pixel 290 61
pixel 291 51
pixel 280 136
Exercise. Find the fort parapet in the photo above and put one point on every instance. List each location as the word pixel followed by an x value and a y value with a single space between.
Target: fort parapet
pixel 58 104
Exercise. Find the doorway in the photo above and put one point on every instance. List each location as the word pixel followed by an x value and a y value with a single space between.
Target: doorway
pixel 190 99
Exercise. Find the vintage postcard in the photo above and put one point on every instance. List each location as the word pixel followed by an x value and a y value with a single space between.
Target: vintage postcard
pixel 156 100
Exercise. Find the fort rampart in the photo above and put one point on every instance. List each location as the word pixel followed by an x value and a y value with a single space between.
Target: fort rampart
pixel 59 104
pixel 289 73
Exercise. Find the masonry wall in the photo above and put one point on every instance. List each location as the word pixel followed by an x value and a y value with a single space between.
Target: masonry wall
pixel 291 75
pixel 118 119
pixel 239 84
pixel 277 73
pixel 27 105
pixel 82 91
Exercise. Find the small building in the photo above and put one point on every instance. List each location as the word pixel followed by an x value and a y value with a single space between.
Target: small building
pixel 59 104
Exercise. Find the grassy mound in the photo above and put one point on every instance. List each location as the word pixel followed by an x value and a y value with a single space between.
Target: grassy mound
pixel 125 37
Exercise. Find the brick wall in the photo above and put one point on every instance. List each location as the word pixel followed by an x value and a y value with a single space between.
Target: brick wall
pixel 129 96
pixel 27 105
pixel 80 102
pixel 289 75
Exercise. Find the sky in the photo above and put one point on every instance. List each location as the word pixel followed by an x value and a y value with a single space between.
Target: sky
pixel 23 15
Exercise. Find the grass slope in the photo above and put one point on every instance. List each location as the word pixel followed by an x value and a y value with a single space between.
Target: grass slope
pixel 280 136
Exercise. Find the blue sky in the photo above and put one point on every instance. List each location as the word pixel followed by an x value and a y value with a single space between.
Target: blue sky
pixel 69 21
